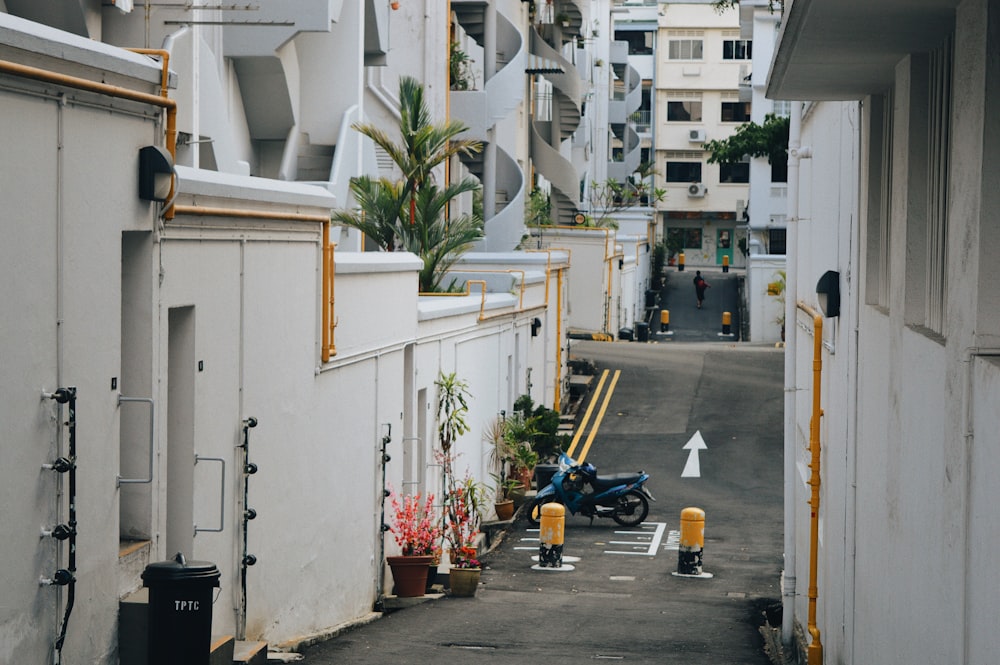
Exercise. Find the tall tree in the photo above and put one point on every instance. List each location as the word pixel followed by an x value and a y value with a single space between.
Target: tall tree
pixel 424 146
pixel 439 242
pixel 769 139
pixel 425 229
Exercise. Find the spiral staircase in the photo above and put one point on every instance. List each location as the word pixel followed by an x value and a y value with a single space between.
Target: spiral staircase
pixel 626 99
pixel 549 134
pixel 505 54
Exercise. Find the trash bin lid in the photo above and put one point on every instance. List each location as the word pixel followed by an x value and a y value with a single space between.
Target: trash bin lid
pixel 180 569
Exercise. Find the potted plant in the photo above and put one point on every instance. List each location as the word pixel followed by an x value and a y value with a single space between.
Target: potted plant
pixel 562 19
pixel 504 501
pixel 525 460
pixel 463 516
pixel 415 529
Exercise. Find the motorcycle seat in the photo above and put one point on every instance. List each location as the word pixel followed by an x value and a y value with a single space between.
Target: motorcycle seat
pixel 614 479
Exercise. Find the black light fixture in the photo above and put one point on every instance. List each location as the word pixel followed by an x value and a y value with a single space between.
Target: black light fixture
pixel 156 173
pixel 828 292
pixel 536 323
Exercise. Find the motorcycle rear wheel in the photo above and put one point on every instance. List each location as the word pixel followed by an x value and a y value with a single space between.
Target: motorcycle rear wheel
pixel 631 509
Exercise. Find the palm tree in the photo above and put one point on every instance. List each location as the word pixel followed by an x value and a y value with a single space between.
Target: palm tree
pixel 438 242
pixel 424 145
pixel 380 207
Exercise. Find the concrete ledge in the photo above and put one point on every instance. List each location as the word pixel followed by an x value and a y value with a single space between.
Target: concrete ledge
pixel 396 603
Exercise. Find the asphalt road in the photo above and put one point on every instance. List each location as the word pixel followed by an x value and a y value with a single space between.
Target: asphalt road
pixel 687 322
pixel 629 606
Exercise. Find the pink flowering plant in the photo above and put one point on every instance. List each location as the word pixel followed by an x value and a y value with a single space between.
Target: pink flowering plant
pixel 466 558
pixel 462 520
pixel 414 524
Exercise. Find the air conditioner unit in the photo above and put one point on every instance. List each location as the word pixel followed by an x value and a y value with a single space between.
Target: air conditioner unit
pixel 696 190
pixel 696 136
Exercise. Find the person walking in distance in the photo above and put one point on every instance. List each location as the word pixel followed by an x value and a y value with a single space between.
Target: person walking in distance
pixel 699 287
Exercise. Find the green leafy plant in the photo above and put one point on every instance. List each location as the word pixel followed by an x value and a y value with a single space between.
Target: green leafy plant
pixel 541 426
pixel 538 211
pixel 769 139
pixel 776 289
pixel 426 229
pixel 452 409
pixel 505 487
pixel 609 197
pixel 380 206
pixel 460 69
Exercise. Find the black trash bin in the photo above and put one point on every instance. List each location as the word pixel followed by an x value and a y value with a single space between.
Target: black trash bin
pixel 625 334
pixel 641 331
pixel 544 473
pixel 180 610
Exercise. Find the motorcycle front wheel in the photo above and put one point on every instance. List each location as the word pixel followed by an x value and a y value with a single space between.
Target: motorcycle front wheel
pixel 631 509
pixel 535 509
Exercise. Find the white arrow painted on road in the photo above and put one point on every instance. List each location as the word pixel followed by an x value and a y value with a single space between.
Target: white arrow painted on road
pixel 693 467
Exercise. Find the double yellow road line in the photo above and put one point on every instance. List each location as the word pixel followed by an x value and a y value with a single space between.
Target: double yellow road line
pixel 600 415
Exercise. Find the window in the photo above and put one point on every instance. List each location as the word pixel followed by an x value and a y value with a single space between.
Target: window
pixel 779 169
pixel 683 171
pixel 735 111
pixel 731 173
pixel 929 109
pixel 879 200
pixel 685 49
pixel 737 49
pixel 776 241
pixel 683 111
pixel 640 42
pixel 684 238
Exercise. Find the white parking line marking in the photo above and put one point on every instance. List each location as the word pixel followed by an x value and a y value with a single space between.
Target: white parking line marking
pixel 654 543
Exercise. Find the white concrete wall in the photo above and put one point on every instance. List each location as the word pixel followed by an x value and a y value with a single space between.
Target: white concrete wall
pixel 907 421
pixel 62 226
pixel 218 318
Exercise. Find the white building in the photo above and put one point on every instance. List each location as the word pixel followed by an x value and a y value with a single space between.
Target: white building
pixel 179 313
pixel 892 189
pixel 701 57
pixel 765 211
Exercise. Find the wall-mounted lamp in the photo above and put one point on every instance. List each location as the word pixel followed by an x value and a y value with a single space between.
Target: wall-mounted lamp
pixel 621 263
pixel 536 323
pixel 156 173
pixel 828 293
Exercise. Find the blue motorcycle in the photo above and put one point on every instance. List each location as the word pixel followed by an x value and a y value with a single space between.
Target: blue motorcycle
pixel 620 496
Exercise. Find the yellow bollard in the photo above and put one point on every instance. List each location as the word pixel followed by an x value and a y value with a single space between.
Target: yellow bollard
pixel 725 263
pixel 727 323
pixel 664 320
pixel 551 532
pixel 689 556
pixel 680 262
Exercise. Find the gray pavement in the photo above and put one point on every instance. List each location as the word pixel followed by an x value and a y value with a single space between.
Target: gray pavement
pixel 622 601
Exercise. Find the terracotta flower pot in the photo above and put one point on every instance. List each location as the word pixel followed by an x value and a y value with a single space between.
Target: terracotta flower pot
pixel 464 581
pixel 505 509
pixel 409 574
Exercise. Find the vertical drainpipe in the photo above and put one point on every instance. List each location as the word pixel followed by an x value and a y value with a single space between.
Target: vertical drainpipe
pixel 790 448
pixel 815 648
pixel 559 288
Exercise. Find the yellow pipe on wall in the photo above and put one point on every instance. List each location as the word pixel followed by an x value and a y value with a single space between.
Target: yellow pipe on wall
pixel 328 348
pixel 815 649
pixel 57 78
